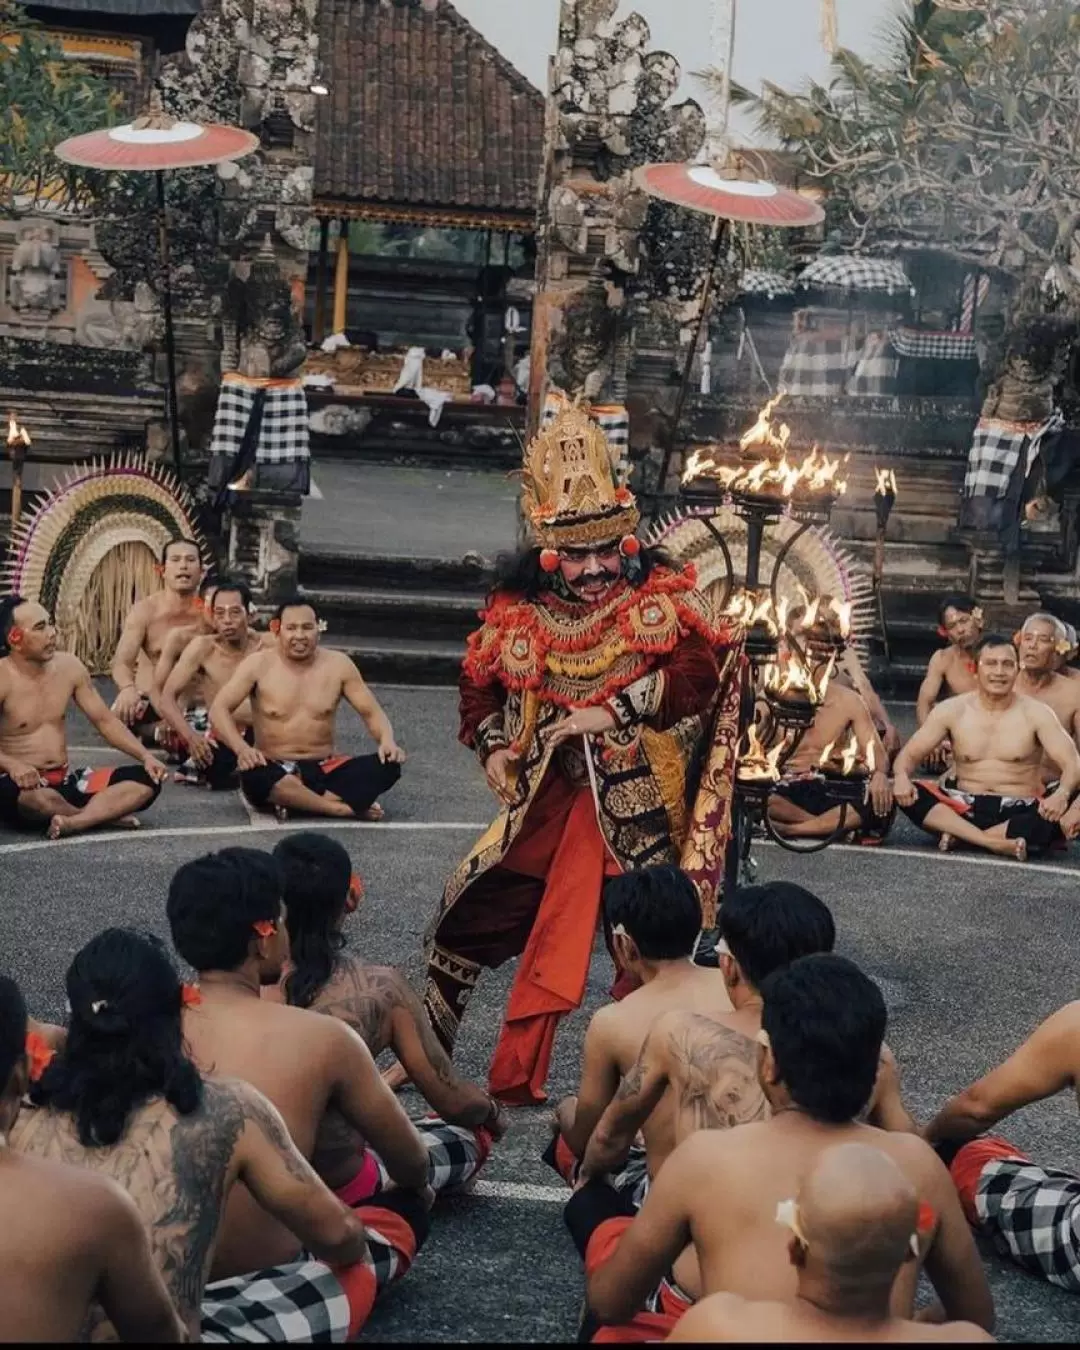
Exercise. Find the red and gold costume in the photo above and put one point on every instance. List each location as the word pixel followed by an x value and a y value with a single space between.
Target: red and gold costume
pixel 654 789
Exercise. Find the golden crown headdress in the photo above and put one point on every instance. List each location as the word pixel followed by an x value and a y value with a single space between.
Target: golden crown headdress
pixel 569 495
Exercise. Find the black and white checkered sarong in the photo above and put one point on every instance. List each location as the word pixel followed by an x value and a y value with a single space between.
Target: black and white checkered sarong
pixel 306 1301
pixel 876 370
pixel 284 435
pixel 1032 1214
pixel 455 1154
pixel 912 343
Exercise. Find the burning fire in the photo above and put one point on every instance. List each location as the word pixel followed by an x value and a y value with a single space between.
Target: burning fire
pixel 789 679
pixel 758 764
pixel 773 475
pixel 885 483
pixel 761 433
pixel 17 435
pixel 850 756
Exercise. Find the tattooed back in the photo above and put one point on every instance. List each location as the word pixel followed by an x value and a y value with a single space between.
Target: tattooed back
pixel 177 1169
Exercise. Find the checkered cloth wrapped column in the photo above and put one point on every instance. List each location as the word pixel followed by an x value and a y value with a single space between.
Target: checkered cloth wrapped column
pixel 996 448
pixel 818 366
pixel 1033 1215
pixel 284 434
pixel 877 369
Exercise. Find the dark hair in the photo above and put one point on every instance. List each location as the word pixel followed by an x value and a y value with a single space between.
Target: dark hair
pixel 993 640
pixel 522 573
pixel 242 589
pixel 125 1042
pixel 294 602
pixel 13 1026
pixel 963 604
pixel 826 1021
pixel 179 539
pixel 768 927
pixel 658 907
pixel 316 871
pixel 208 583
pixel 215 901
pixel 8 605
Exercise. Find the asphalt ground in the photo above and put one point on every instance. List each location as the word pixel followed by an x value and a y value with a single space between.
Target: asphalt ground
pixel 971 953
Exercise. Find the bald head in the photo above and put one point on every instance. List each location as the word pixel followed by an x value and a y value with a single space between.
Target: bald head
pixel 858 1213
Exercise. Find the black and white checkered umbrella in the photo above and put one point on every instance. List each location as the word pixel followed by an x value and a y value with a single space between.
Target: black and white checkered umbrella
pixel 758 282
pixel 846 272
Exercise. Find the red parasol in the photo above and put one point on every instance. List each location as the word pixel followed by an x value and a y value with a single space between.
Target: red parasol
pixel 700 187
pixel 153 143
pixel 157 142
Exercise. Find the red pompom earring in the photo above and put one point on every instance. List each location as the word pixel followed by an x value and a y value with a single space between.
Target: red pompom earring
pixel 549 560
pixel 630 546
pixel 14 637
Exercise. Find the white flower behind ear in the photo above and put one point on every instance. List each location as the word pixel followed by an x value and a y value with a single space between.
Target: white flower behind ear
pixel 787 1215
pixel 322 625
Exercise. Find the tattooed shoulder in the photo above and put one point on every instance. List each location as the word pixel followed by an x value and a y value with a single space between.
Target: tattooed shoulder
pixel 363 997
pixel 714 1072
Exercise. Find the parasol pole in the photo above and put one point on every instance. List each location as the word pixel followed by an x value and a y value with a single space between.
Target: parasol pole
pixel 721 229
pixel 170 332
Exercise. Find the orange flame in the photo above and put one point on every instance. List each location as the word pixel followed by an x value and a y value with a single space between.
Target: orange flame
pixel 758 763
pixel 871 758
pixel 762 433
pixel 827 754
pixel 843 610
pixel 17 435
pixel 774 475
pixel 850 756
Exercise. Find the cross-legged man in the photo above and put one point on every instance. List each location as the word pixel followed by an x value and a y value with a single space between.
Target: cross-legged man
pixel 146 630
pixel 72 1243
pixel 996 798
pixel 295 688
pixel 227 921
pixel 854 1226
pixel 205 666
pixel 37 784
pixel 952 668
pixel 1031 1213
pixel 822 1030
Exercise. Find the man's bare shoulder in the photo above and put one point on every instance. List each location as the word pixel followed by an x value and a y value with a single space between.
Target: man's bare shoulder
pixel 259 662
pixel 66 666
pixel 196 648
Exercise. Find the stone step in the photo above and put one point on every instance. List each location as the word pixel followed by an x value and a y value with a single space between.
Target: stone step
pixel 337 569
pixel 401 612
pixel 402 660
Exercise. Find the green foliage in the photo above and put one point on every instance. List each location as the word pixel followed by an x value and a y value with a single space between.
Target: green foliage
pixel 44 98
pixel 965 132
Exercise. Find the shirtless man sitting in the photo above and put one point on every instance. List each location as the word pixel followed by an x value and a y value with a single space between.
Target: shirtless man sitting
pixel 37 785
pixel 823 1024
pixel 205 666
pixel 123 1100
pixel 697 1065
pixel 381 1007
pixel 227 921
pixel 952 669
pixel 994 799
pixel 1030 1213
pixel 75 1240
pixel 853 1228
pixel 804 808
pixel 295 688
pixel 146 630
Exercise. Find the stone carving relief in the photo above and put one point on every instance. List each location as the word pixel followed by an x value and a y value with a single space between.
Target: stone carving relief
pixel 612 115
pixel 36 274
pixel 263 333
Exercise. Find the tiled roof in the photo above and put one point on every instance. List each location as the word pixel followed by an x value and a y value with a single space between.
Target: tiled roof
pixel 423 112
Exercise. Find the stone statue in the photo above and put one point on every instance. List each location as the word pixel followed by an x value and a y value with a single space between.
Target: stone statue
pixel 36 280
pixel 264 337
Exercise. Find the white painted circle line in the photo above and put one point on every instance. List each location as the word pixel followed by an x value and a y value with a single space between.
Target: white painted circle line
pixel 516 1190
pixel 260 827
pixel 931 855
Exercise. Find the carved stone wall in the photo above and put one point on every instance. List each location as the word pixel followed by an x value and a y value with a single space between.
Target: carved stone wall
pixel 608 113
